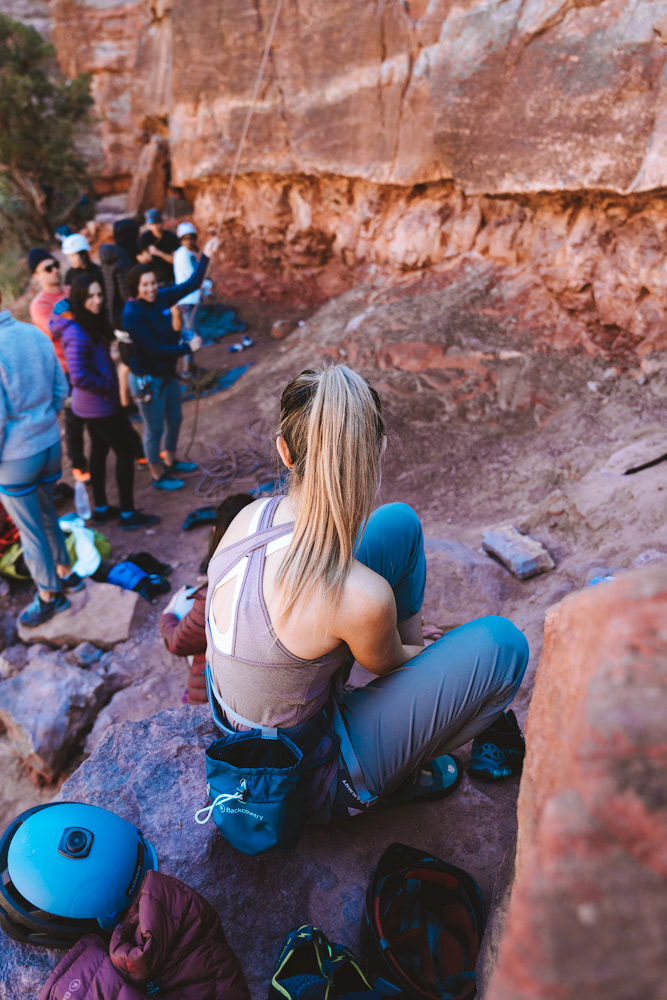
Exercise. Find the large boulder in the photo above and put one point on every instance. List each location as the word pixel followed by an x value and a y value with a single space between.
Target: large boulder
pixel 590 898
pixel 47 709
pixel 152 773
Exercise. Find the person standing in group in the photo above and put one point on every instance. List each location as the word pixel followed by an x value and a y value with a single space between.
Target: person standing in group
pixel 116 259
pixel 161 244
pixel 77 250
pixel 156 349
pixel 45 269
pixel 33 390
pixel 185 263
pixel 86 336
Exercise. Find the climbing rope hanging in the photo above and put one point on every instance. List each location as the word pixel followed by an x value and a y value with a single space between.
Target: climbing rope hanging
pixel 230 186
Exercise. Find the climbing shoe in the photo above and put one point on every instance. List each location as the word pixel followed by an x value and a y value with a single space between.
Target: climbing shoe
pixel 108 513
pixel 436 779
pixel 348 979
pixel 181 467
pixel 137 519
pixel 72 582
pixel 40 611
pixel 165 482
pixel 299 971
pixel 498 752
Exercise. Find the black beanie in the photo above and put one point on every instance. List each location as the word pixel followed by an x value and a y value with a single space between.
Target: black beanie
pixel 36 256
pixel 126 235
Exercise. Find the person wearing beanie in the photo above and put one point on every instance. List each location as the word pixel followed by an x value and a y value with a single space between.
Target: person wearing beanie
pixel 116 259
pixel 76 248
pixel 161 244
pixel 45 270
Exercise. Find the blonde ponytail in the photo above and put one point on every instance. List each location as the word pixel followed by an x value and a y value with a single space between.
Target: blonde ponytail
pixel 331 420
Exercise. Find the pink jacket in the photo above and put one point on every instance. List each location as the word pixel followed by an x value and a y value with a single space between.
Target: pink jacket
pixel 171 939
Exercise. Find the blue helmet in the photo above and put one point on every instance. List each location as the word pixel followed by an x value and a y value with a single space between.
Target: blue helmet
pixel 67 868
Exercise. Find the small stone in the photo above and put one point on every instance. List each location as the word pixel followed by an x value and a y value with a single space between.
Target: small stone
pixel 282 328
pixel 648 557
pixel 12 660
pixel 84 655
pixel 523 555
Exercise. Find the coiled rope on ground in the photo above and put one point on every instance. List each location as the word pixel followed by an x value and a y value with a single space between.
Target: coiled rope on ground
pixel 246 468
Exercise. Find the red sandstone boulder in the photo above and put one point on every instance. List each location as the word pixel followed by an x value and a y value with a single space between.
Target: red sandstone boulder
pixel 589 903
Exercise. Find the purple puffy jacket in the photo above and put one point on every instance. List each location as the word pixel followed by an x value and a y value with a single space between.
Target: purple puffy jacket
pixel 91 370
pixel 171 940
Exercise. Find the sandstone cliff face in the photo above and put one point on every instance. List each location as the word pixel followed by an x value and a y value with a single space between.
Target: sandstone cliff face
pixel 503 97
pixel 403 135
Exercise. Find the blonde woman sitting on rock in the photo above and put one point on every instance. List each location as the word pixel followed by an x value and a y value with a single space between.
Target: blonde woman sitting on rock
pixel 303 584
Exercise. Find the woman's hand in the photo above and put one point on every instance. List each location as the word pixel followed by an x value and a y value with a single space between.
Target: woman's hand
pixel 211 246
pixel 195 343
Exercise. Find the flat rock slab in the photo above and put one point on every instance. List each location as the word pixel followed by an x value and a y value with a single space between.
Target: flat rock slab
pixel 46 710
pixel 523 555
pixel 651 448
pixel 152 773
pixel 100 614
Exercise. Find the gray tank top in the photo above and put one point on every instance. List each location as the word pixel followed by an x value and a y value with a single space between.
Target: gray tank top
pixel 254 674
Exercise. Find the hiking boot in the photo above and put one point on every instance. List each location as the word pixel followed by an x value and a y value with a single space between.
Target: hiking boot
pixel 299 974
pixel 137 519
pixel 498 752
pixel 110 513
pixel 165 482
pixel 436 779
pixel 40 611
pixel 73 582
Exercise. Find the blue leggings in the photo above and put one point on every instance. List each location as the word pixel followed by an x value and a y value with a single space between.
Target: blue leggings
pixel 440 699
pixel 161 415
pixel 27 486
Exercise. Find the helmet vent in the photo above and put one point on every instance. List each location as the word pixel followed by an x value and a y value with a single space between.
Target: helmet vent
pixel 75 842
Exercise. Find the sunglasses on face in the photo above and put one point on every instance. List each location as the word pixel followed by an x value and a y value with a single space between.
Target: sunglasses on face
pixel 51 267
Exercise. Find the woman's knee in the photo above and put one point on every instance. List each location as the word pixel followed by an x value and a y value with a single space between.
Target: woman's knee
pixel 398 518
pixel 509 642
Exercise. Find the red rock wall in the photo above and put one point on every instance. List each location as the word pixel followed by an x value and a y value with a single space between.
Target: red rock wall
pixel 402 134
pixel 507 97
pixel 589 902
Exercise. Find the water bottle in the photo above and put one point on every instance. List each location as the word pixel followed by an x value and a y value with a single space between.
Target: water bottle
pixel 81 501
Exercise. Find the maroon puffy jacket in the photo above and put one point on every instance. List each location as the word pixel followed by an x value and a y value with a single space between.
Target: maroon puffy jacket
pixel 170 943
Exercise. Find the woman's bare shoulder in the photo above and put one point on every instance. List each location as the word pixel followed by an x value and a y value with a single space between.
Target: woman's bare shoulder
pixel 366 595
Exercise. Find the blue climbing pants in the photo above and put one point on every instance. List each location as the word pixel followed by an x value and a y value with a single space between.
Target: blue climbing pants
pixel 443 697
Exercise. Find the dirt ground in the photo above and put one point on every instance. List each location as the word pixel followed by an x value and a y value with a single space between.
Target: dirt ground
pixel 518 434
